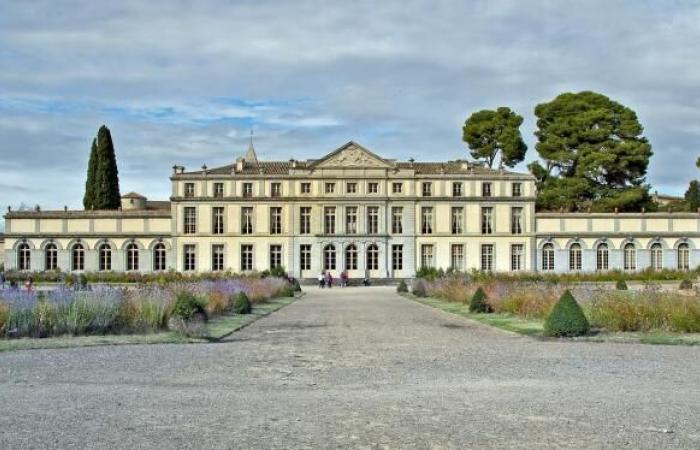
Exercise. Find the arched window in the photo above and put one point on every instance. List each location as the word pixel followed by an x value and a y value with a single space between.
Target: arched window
pixel 105 257
pixel 683 257
pixel 159 257
pixel 601 260
pixel 78 257
pixel 575 257
pixel 656 254
pixel 548 257
pixel 51 256
pixel 351 257
pixel 24 257
pixel 630 257
pixel 372 257
pixel 132 257
pixel 329 257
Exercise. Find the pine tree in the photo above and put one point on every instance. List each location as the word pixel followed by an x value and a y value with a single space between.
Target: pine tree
pixel 105 184
pixel 89 198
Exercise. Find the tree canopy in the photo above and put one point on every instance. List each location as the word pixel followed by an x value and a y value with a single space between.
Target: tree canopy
pixel 102 185
pixel 491 133
pixel 692 196
pixel 594 154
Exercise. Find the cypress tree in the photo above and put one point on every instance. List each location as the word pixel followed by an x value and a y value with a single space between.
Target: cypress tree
pixel 89 197
pixel 106 183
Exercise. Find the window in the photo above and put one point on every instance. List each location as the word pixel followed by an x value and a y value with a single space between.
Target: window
pixel 373 188
pixel 247 189
pixel 487 257
pixel 275 220
pixel 104 255
pixel 305 220
pixel 372 220
pixel 396 220
pixel 456 189
pixel 247 220
pixel 351 188
pixel 426 255
pixel 329 220
pixel 575 257
pixel 246 257
pixel 516 220
pixel 372 257
pixel 305 188
pixel 457 257
pixel 427 189
pixel 656 254
pixel 132 257
pixel 305 257
pixel 601 257
pixel 217 257
pixel 275 256
pixel 351 257
pixel 516 257
pixel 516 189
pixel 219 190
pixel 351 219
pixel 189 256
pixel 24 256
pixel 683 257
pixel 397 257
pixel 548 257
pixel 276 189
pixel 486 220
pixel 396 188
pixel 486 189
pixel 427 220
pixel 190 220
pixel 78 257
pixel 330 188
pixel 329 257
pixel 630 257
pixel 457 220
pixel 217 220
pixel 159 257
pixel 189 190
pixel 51 257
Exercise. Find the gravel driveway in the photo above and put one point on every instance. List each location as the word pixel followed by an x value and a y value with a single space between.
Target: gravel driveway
pixel 354 368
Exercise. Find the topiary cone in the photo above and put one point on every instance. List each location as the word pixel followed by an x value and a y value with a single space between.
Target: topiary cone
pixel 478 302
pixel 566 318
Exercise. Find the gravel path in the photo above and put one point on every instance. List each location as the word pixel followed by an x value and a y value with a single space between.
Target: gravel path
pixel 354 368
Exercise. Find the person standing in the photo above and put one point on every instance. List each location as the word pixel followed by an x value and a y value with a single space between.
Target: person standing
pixel 3 280
pixel 329 280
pixel 321 280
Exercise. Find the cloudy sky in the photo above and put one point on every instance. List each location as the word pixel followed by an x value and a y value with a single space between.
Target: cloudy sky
pixel 184 82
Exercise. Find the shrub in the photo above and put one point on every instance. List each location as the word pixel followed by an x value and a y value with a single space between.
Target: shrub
pixel 402 287
pixel 188 306
pixel 287 291
pixel 566 318
pixel 217 303
pixel 418 288
pixel 241 304
pixel 478 302
pixel 296 286
pixel 686 285
pixel 278 272
pixel 428 273
pixel 621 285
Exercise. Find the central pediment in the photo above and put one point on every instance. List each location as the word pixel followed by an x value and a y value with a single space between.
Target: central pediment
pixel 351 155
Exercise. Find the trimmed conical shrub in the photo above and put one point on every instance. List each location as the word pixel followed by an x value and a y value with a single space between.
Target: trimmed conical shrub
pixel 241 304
pixel 402 287
pixel 621 285
pixel 478 303
pixel 686 284
pixel 566 318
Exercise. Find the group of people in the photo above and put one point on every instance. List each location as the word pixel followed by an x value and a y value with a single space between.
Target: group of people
pixel 28 284
pixel 325 279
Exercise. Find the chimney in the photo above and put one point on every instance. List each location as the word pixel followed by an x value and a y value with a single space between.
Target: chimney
pixel 240 163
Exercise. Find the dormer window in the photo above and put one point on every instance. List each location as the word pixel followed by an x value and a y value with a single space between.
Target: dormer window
pixel 189 190
pixel 486 190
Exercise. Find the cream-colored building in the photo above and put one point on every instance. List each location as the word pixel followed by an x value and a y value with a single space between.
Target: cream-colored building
pixel 349 210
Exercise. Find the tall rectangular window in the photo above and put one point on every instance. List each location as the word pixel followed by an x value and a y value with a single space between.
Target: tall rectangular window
pixel 329 220
pixel 247 189
pixel 247 220
pixel 457 220
pixel 190 220
pixel 426 255
pixel 487 257
pixel 351 219
pixel 457 257
pixel 427 189
pixel 275 220
pixel 246 257
pixel 275 256
pixel 397 257
pixel 516 220
pixel 396 188
pixel 372 188
pixel 275 189
pixel 217 220
pixel 486 189
pixel 217 257
pixel 516 257
pixel 305 187
pixel 486 220
pixel 189 256
pixel 330 188
pixel 189 190
pixel 218 190
pixel 456 189
pixel 305 257
pixel 351 188
pixel 397 220
pixel 305 220
pixel 372 220
pixel 426 220
pixel 516 189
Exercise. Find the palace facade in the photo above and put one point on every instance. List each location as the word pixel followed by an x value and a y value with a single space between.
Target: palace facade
pixel 349 210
